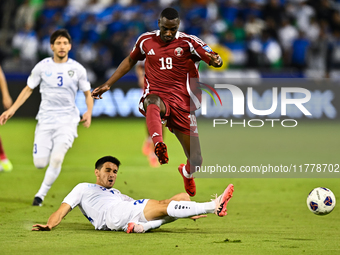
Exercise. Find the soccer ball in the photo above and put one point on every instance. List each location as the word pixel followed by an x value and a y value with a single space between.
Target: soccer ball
pixel 321 201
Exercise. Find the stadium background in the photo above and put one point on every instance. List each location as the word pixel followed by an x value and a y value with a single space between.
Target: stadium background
pixel 257 39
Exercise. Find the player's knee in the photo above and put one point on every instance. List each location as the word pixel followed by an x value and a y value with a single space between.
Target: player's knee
pixel 152 99
pixel 184 197
pixel 56 160
pixel 155 100
pixel 40 162
pixel 58 154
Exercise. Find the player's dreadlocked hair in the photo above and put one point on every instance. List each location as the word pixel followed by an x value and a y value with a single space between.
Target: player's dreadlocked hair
pixel 100 162
pixel 169 13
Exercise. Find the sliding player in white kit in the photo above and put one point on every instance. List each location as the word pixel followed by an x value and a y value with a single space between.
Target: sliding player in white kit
pixel 108 209
pixel 59 78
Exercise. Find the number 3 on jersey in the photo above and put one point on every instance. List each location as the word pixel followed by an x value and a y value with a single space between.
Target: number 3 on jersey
pixel 167 64
pixel 60 83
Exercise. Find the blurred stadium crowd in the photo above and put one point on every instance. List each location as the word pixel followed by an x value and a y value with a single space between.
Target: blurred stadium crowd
pixel 260 34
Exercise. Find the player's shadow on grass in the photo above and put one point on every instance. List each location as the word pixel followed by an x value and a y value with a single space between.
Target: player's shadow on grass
pixel 78 226
pixel 10 200
pixel 299 239
pixel 71 226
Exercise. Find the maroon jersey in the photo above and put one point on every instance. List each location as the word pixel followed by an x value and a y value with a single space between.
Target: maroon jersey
pixel 169 66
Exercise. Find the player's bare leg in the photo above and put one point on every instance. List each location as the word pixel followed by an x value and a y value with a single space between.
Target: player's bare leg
pixel 155 108
pixel 154 211
pixel 192 150
pixel 178 197
pixel 148 150
pixel 147 145
pixel 158 213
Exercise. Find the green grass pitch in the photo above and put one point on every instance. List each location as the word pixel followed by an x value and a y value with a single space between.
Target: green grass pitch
pixel 265 216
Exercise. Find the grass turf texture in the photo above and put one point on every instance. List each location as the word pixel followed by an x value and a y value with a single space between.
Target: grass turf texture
pixel 265 216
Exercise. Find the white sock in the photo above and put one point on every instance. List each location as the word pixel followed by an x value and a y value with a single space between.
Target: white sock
pixel 185 173
pixel 50 176
pixel 151 224
pixel 156 223
pixel 53 170
pixel 210 206
pixel 184 209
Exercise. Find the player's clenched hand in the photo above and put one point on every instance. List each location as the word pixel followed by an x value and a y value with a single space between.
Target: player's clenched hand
pixel 97 92
pixel 86 119
pixel 215 59
pixel 39 227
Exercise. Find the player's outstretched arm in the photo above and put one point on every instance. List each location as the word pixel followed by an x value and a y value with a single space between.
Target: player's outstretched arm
pixel 215 59
pixel 87 116
pixel 54 219
pixel 122 69
pixel 6 98
pixel 24 94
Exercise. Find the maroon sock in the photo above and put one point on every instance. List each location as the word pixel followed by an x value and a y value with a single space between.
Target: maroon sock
pixel 154 124
pixel 2 152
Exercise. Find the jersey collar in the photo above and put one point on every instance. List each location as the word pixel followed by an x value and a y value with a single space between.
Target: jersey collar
pixel 68 60
pixel 158 33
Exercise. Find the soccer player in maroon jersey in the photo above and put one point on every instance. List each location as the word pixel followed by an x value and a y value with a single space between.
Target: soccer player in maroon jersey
pixel 171 59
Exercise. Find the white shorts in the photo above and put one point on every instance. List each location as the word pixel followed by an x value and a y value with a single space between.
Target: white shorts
pixel 47 135
pixel 118 216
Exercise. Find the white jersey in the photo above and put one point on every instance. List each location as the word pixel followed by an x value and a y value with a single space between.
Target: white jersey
pixel 94 201
pixel 59 83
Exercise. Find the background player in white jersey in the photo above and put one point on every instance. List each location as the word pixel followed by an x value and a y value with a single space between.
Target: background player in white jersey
pixel 5 164
pixel 59 78
pixel 108 209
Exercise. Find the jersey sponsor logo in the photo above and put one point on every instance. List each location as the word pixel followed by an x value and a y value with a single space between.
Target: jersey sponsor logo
pixel 48 73
pixel 151 52
pixel 70 73
pixel 178 51
pixel 207 48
